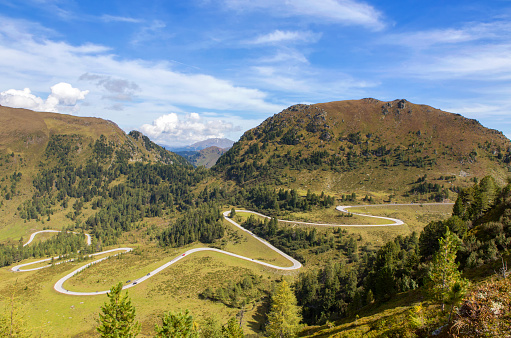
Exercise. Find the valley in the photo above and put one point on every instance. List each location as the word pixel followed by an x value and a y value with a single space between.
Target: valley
pixel 345 201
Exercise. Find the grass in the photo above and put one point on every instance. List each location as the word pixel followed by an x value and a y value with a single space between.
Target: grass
pixel 177 287
pixel 333 216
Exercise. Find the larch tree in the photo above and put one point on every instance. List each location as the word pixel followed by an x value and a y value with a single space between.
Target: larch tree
pixel 284 316
pixel 11 320
pixel 232 329
pixel 118 316
pixel 445 282
pixel 179 325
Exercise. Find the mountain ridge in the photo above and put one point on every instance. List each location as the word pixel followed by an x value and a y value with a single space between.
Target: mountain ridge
pixel 356 144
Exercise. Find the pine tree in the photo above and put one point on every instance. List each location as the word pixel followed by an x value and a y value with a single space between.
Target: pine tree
pixel 232 329
pixel 284 316
pixel 118 317
pixel 232 213
pixel 179 325
pixel 444 278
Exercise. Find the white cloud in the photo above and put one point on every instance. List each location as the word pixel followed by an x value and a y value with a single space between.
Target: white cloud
pixel 473 32
pixel 171 129
pixel 490 62
pixel 114 18
pixel 65 94
pixel 279 36
pixel 476 51
pixel 63 98
pixel 20 99
pixel 348 12
pixel 158 87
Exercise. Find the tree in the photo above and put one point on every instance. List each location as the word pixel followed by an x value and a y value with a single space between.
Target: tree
pixel 11 322
pixel 211 328
pixel 445 283
pixel 232 329
pixel 284 316
pixel 232 213
pixel 118 317
pixel 179 325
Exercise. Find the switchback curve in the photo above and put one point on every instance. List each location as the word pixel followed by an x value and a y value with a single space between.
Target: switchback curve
pixel 296 265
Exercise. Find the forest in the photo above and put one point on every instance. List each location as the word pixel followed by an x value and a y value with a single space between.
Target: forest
pixel 480 224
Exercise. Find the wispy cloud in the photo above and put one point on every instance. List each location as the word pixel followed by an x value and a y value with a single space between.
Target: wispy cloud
pixel 278 36
pixel 118 89
pixel 158 87
pixel 472 32
pixel 478 51
pixel 114 18
pixel 346 12
pixel 153 31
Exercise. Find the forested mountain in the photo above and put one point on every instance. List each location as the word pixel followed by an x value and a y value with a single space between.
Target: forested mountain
pixel 369 145
pixel 87 173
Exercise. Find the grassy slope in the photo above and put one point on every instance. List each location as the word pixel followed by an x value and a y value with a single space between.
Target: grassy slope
pixel 25 134
pixel 455 143
pixel 176 288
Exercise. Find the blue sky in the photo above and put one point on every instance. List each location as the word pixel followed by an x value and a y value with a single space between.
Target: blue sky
pixel 184 71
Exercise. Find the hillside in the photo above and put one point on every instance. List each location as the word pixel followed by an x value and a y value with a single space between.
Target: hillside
pixel 86 175
pixel 397 147
pixel 54 163
pixel 206 157
pixel 222 143
pixel 481 225
pixel 28 133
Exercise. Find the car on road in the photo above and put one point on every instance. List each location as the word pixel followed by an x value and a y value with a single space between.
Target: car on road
pixel 183 254
pixel 134 283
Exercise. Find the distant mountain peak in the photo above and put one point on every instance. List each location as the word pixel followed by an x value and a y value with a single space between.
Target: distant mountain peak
pixel 216 142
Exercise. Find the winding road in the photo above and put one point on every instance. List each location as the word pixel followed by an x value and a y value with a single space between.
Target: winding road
pixel 295 264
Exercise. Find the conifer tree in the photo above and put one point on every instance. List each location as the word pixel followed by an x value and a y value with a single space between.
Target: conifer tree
pixel 284 316
pixel 11 321
pixel 232 329
pixel 179 325
pixel 211 328
pixel 118 317
pixel 444 278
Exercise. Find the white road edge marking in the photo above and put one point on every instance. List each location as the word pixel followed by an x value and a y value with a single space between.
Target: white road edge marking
pixel 296 265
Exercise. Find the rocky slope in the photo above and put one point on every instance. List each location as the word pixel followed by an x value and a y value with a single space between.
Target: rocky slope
pixel 395 147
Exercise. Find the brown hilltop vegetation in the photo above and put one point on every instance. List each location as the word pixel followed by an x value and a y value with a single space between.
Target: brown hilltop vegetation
pixel 367 145
pixel 27 133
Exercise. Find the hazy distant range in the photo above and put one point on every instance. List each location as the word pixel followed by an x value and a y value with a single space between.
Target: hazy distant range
pixel 203 153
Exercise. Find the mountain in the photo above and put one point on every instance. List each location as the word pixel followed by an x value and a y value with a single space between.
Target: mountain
pixel 206 157
pixel 221 143
pixel 395 147
pixel 204 153
pixel 58 169
pixel 27 134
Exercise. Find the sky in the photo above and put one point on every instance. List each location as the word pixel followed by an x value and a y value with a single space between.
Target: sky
pixel 184 71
